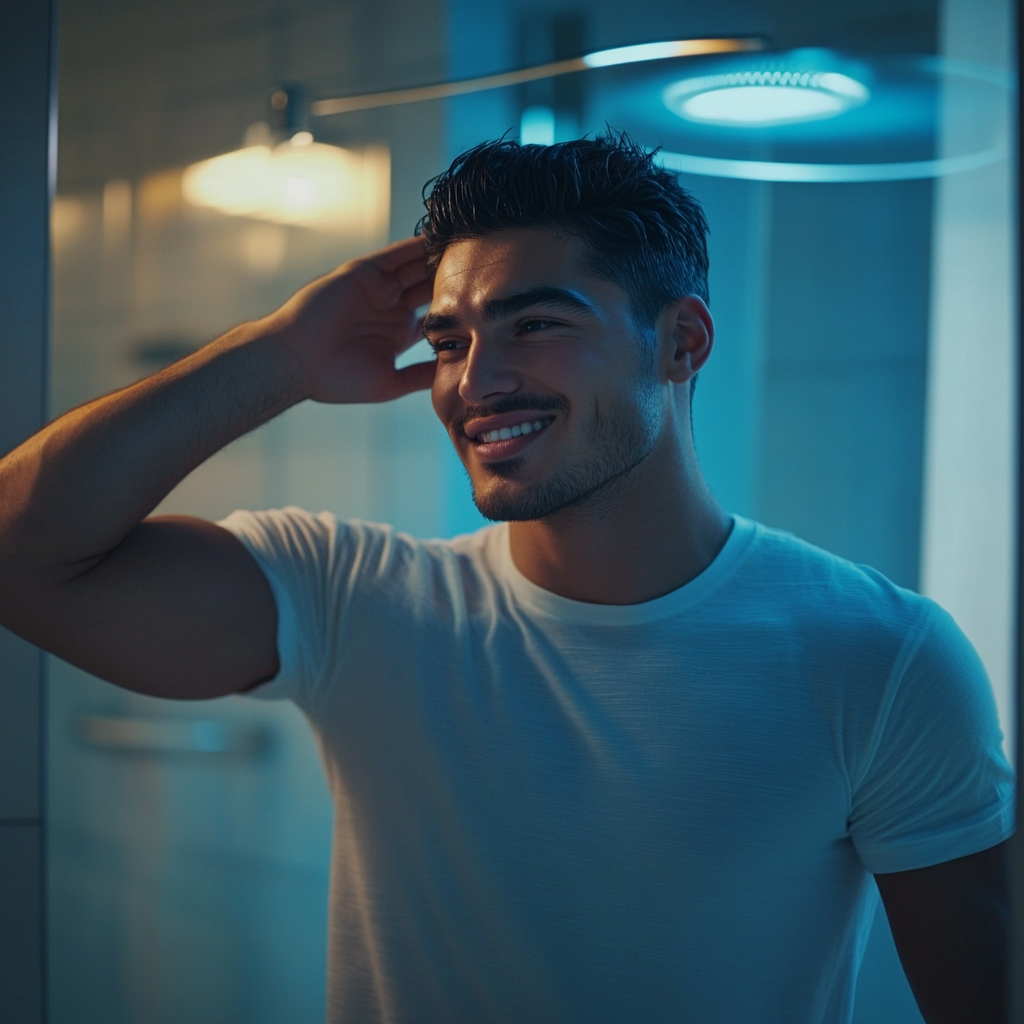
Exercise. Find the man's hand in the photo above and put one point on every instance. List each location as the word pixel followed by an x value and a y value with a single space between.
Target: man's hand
pixel 344 330
pixel 950 923
pixel 176 607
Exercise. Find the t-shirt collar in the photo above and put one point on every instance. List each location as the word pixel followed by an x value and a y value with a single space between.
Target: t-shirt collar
pixel 544 602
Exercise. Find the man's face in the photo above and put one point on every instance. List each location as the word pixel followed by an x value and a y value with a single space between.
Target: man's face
pixel 544 382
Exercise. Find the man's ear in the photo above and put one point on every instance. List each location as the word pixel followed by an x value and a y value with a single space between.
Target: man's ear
pixel 686 335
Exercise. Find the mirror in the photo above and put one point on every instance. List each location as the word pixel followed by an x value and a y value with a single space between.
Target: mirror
pixel 860 395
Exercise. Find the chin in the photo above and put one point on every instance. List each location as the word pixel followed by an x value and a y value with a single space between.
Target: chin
pixel 503 496
pixel 504 501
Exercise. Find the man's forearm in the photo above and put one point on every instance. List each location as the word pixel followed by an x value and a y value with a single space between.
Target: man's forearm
pixel 178 607
pixel 950 923
pixel 73 492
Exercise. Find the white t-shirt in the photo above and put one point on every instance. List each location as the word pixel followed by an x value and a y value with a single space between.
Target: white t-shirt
pixel 555 812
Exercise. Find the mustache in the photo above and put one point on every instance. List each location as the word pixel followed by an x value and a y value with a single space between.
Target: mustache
pixel 510 403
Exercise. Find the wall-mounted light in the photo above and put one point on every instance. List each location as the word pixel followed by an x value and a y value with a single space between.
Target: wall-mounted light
pixel 297 181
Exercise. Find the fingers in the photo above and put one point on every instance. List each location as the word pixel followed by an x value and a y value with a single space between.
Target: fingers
pixel 419 294
pixel 418 377
pixel 405 264
pixel 402 258
pixel 414 337
pixel 416 272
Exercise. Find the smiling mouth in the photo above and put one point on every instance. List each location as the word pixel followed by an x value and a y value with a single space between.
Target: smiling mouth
pixel 515 430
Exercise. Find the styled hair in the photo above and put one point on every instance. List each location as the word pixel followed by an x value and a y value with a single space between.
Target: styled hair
pixel 641 229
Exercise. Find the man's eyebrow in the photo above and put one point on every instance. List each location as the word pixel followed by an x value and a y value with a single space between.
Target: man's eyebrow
pixel 499 309
pixel 440 322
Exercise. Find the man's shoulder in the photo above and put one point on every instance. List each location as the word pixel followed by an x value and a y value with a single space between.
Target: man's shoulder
pixel 356 552
pixel 795 576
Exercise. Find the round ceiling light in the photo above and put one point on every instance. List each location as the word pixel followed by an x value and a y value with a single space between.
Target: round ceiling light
pixel 762 99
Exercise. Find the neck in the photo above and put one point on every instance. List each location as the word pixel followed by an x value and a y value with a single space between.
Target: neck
pixel 638 537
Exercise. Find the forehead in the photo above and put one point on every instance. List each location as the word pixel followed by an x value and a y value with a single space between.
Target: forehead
pixel 508 262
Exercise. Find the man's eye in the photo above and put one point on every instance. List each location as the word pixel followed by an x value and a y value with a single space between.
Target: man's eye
pixel 536 324
pixel 445 345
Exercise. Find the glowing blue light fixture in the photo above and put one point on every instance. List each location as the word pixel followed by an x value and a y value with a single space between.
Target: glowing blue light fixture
pixel 814 115
pixel 765 98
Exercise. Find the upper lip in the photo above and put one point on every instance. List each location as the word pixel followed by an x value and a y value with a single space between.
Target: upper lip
pixel 483 424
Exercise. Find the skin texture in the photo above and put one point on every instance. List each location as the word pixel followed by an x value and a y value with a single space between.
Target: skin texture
pixel 614 470
pixel 175 606
pixel 951 926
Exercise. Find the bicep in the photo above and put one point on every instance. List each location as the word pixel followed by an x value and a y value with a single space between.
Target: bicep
pixel 178 609
pixel 950 926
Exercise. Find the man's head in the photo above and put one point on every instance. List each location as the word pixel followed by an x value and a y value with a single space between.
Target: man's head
pixel 640 227
pixel 569 307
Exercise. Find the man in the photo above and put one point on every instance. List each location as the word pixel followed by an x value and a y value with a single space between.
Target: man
pixel 621 758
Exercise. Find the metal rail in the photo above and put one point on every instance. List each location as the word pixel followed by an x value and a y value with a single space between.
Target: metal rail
pixel 603 58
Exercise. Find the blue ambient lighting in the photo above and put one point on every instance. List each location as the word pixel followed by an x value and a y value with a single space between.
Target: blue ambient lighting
pixel 772 170
pixel 761 99
pixel 813 115
pixel 537 127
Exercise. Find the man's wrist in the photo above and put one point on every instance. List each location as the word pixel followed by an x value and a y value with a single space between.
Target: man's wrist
pixel 270 361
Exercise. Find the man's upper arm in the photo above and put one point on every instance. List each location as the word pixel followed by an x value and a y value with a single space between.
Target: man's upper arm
pixel 935 787
pixel 950 923
pixel 179 609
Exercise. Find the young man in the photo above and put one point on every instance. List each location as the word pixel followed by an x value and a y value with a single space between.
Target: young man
pixel 621 758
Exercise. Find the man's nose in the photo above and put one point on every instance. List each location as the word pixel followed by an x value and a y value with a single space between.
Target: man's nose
pixel 488 372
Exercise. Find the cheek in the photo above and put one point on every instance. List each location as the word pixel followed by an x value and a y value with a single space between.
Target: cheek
pixel 444 393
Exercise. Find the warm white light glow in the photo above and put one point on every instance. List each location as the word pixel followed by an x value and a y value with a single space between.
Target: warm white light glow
pixel 67 218
pixel 764 98
pixel 298 182
pixel 117 210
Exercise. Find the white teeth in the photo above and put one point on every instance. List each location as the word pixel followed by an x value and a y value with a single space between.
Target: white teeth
pixel 505 433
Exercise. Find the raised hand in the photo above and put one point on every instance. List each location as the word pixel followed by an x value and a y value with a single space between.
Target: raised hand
pixel 177 607
pixel 343 331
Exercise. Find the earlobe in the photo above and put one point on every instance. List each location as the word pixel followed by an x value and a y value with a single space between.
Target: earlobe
pixel 688 334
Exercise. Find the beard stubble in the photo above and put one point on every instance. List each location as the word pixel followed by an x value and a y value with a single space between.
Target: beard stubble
pixel 618 439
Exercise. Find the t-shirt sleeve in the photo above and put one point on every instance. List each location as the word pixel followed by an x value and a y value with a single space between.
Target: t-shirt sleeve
pixel 936 784
pixel 298 554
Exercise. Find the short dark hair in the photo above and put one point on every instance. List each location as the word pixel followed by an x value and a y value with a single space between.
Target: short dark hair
pixel 641 228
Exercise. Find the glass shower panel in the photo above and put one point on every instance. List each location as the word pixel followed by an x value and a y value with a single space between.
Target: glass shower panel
pixel 189 843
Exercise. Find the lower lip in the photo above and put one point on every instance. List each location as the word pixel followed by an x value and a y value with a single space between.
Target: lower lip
pixel 499 451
